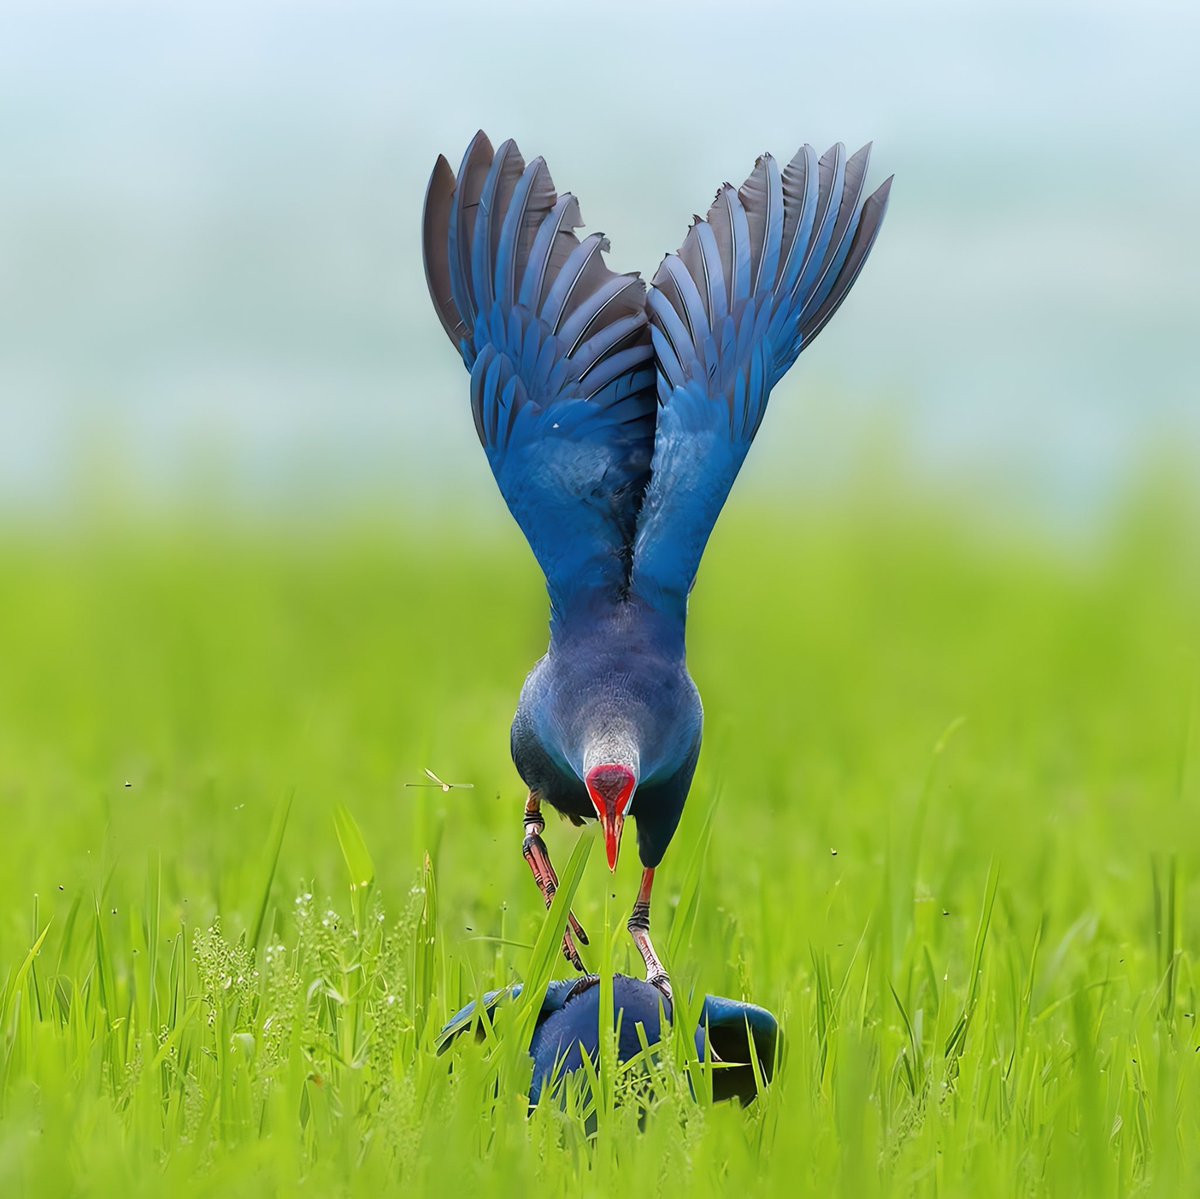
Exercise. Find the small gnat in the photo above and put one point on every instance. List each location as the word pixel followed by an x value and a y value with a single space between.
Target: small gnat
pixel 435 781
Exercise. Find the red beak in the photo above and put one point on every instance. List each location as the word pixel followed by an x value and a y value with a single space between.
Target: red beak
pixel 611 788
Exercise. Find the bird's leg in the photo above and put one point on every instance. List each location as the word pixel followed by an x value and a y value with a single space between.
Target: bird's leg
pixel 538 857
pixel 639 929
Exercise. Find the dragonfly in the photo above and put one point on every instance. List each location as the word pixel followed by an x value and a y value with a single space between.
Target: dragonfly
pixel 434 781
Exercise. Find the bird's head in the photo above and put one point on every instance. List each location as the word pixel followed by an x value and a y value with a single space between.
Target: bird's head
pixel 610 786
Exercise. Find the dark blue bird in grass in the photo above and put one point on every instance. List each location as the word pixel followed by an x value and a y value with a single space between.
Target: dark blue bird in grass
pixel 615 419
pixel 568 1030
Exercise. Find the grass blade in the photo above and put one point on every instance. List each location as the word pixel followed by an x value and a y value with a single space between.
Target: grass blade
pixel 271 861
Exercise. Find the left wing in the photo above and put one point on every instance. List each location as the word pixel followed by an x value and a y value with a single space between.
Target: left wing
pixel 751 286
pixel 562 368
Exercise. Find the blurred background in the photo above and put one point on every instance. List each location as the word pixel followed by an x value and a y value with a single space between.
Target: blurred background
pixel 210 280
pixel 253 564
pixel 250 548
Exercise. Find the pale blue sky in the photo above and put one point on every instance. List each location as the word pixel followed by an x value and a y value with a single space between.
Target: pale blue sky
pixel 209 252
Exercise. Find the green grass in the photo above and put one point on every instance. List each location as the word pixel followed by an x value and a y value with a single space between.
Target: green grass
pixel 944 826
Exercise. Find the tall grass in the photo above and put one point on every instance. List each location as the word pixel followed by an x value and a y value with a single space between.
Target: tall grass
pixel 944 827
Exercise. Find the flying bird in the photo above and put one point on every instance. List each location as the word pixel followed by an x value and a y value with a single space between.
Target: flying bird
pixel 615 418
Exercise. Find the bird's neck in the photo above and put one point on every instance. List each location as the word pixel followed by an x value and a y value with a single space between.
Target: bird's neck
pixel 627 622
pixel 612 745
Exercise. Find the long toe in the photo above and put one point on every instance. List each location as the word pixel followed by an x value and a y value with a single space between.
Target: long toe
pixel 570 952
pixel 577 929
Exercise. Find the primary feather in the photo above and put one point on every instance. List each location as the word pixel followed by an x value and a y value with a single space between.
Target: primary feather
pixel 562 373
pixel 751 286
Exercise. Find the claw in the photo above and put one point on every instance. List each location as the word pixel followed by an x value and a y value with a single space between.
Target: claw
pixel 571 953
pixel 577 929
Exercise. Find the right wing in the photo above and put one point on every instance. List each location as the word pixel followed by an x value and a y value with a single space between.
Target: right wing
pixel 562 369
pixel 750 287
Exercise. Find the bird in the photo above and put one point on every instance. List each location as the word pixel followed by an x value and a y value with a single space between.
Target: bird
pixel 729 1032
pixel 615 418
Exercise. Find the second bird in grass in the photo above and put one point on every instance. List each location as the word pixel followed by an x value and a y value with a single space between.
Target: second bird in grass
pixel 615 419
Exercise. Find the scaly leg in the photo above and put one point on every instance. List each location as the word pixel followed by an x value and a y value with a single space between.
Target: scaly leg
pixel 538 857
pixel 639 929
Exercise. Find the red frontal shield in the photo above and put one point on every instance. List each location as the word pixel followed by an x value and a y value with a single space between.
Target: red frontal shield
pixel 611 788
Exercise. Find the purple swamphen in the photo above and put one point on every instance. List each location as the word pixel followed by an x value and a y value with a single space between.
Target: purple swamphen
pixel 568 1030
pixel 615 419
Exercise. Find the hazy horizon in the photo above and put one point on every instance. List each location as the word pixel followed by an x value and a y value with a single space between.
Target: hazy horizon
pixel 209 237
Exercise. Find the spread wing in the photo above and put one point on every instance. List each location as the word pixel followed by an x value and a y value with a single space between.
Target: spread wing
pixel 751 286
pixel 562 368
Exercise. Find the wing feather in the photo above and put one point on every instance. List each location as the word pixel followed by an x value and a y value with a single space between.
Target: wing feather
pixel 497 190
pixel 752 285
pixel 436 238
pixel 617 298
pixel 532 198
pixel 464 205
pixel 561 363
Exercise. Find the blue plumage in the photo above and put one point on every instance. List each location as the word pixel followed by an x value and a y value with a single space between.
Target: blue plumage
pixel 562 370
pixel 615 422
pixel 742 1037
pixel 751 286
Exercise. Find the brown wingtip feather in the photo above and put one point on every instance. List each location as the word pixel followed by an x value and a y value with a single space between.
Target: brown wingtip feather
pixel 480 139
pixel 435 234
pixel 876 203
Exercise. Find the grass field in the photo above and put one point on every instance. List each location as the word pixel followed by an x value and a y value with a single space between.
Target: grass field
pixel 944 826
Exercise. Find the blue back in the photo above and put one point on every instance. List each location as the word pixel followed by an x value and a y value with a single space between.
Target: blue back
pixel 568 1029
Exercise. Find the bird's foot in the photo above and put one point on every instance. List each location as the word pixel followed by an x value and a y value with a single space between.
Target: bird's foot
pixel 573 933
pixel 586 983
pixel 577 929
pixel 639 929
pixel 570 952
pixel 662 984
